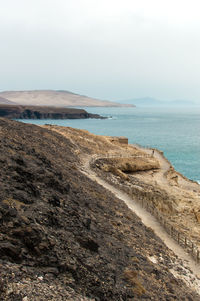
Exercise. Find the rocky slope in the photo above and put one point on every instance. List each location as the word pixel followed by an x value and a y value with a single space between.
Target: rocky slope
pixel 57 98
pixel 35 112
pixel 63 236
pixel 173 195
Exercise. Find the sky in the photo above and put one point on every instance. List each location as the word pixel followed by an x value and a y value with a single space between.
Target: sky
pixel 108 49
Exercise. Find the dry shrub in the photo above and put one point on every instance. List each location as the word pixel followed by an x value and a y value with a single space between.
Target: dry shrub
pixel 132 278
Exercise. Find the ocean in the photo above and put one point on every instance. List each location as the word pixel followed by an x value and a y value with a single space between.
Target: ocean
pixel 174 130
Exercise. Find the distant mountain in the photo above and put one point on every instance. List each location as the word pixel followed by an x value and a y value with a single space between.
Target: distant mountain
pixel 58 98
pixel 6 101
pixel 149 101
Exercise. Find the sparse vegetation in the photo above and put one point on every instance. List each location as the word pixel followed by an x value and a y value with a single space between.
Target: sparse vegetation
pixel 132 278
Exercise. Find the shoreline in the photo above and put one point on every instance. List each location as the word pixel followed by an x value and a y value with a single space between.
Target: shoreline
pixel 44 113
pixel 166 159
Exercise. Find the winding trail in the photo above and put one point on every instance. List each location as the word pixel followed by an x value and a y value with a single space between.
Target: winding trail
pixel 192 271
pixel 164 164
pixel 150 221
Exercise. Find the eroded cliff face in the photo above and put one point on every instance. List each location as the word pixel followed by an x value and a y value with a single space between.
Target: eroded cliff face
pixel 36 112
pixel 63 236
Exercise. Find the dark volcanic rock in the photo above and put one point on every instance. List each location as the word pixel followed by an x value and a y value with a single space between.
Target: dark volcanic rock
pixel 36 112
pixel 60 232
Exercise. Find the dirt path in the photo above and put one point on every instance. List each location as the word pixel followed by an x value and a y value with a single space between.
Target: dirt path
pixel 192 274
pixel 165 166
pixel 160 175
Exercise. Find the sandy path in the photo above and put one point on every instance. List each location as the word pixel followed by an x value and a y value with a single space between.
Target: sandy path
pixel 150 221
pixel 165 165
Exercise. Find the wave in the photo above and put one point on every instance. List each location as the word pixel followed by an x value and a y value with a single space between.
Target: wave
pixel 114 118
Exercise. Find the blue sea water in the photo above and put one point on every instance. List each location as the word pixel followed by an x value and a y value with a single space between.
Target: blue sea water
pixel 174 130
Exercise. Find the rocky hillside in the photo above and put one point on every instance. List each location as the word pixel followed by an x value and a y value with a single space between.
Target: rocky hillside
pixel 57 98
pixel 153 178
pixel 35 112
pixel 64 237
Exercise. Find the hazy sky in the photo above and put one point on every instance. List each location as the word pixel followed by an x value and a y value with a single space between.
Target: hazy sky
pixel 109 49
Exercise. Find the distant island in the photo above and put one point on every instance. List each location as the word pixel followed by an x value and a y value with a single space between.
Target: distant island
pixel 39 112
pixel 57 98
pixel 153 102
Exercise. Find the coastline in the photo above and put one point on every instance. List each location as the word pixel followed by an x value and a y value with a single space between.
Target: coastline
pixel 174 195
pixel 44 112
pixel 149 149
pixel 133 124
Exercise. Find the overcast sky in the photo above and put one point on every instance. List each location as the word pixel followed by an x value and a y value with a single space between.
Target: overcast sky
pixel 109 49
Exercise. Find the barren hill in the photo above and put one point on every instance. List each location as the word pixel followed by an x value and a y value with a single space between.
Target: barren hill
pixel 65 237
pixel 56 98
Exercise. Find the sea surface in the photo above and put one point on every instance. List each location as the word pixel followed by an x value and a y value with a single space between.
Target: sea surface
pixel 174 130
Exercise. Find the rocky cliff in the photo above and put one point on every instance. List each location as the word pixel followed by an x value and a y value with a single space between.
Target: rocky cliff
pixel 35 112
pixel 63 236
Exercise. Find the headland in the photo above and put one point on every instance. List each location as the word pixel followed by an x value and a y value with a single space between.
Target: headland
pixel 38 112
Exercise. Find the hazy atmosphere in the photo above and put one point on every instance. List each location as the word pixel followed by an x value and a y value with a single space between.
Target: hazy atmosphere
pixel 99 150
pixel 105 49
